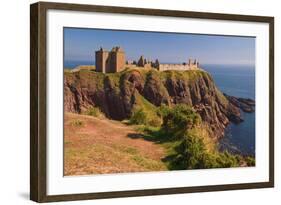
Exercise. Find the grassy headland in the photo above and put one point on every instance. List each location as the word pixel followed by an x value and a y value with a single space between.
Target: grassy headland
pixel 178 115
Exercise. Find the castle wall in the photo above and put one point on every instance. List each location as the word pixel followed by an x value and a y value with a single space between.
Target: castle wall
pixel 163 67
pixel 111 67
pixel 120 61
pixel 101 61
pixel 116 62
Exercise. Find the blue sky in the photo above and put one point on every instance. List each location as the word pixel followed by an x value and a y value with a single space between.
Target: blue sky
pixel 80 45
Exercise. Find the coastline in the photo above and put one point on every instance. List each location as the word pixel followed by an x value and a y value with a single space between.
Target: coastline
pixel 230 142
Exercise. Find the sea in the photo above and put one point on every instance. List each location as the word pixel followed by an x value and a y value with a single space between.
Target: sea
pixel 238 81
pixel 235 80
pixel 71 64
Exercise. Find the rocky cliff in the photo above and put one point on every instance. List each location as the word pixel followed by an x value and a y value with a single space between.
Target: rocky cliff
pixel 118 94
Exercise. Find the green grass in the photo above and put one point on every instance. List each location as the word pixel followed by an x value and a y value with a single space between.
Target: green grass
pixel 114 77
pixel 189 76
pixel 144 112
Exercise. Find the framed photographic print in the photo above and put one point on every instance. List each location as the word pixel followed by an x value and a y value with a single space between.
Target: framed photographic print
pixel 134 102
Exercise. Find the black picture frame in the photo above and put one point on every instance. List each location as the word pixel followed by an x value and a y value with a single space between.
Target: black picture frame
pixel 38 102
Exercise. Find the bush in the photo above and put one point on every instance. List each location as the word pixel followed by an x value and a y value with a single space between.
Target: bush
pixel 250 161
pixel 226 159
pixel 154 121
pixel 94 111
pixel 138 118
pixel 182 124
pixel 195 155
pixel 179 119
pixel 193 151
pixel 163 110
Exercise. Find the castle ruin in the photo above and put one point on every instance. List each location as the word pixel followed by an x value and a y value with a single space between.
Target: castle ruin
pixel 110 61
pixel 115 61
pixel 190 65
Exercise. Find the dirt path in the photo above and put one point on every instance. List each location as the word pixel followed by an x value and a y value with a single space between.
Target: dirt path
pixel 93 145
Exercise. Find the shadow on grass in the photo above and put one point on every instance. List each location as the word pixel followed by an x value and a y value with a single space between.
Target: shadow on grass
pixel 156 136
pixel 173 160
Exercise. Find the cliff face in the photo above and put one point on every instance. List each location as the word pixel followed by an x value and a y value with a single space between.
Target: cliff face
pixel 118 94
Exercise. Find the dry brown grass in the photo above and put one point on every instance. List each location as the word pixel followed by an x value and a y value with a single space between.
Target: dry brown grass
pixel 99 146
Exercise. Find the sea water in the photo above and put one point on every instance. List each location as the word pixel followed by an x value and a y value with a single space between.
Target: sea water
pixel 238 81
pixel 71 64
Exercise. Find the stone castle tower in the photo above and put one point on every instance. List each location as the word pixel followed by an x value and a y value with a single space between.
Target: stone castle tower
pixel 110 61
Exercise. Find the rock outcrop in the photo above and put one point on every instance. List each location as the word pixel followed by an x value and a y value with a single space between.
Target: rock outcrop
pixel 245 104
pixel 117 94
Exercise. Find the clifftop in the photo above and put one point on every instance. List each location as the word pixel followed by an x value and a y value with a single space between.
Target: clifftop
pixel 118 95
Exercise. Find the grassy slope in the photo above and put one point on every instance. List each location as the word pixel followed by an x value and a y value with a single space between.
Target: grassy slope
pixel 92 149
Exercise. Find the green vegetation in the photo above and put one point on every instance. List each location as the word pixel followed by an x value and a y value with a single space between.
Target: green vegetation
pixel 144 113
pixel 188 143
pixel 250 161
pixel 188 76
pixel 194 155
pixel 142 117
pixel 178 119
pixel 138 118
pixel 94 111
pixel 113 79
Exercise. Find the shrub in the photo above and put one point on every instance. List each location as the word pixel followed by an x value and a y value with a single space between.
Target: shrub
pixel 138 118
pixel 163 110
pixel 225 159
pixel 182 124
pixel 210 161
pixel 193 151
pixel 154 121
pixel 142 117
pixel 195 155
pixel 250 161
pixel 179 119
pixel 94 111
